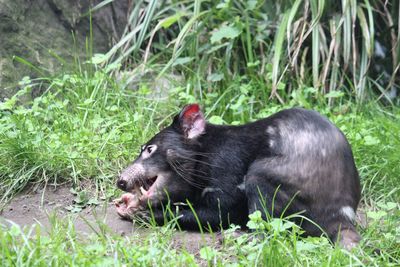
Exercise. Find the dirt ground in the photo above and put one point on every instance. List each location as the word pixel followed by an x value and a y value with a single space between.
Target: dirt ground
pixel 34 207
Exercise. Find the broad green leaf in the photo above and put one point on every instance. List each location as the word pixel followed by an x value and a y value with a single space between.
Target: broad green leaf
pixel 25 81
pixel 216 120
pixel 280 226
pixel 255 215
pixel 310 90
pixel 251 4
pixel 226 31
pixel 93 201
pixel 387 206
pixel 376 215
pixel 8 104
pixel 99 59
pixel 252 225
pixel 238 103
pixel 371 140
pixel 305 246
pixel 223 4
pixel 207 253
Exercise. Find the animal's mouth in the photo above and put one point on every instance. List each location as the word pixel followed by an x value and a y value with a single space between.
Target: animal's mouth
pixel 147 189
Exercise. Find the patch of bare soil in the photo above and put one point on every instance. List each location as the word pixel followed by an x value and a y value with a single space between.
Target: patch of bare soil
pixel 34 207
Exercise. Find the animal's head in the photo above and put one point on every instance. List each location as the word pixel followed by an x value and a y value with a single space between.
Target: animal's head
pixel 164 161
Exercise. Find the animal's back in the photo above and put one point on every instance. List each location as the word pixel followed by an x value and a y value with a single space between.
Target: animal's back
pixel 314 155
pixel 310 168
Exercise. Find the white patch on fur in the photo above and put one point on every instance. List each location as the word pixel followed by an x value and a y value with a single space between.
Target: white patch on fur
pixel 242 187
pixel 303 141
pixel 271 143
pixel 348 212
pixel 270 130
pixel 210 190
pixel 323 152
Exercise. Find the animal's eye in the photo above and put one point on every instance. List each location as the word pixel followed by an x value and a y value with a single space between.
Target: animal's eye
pixel 148 151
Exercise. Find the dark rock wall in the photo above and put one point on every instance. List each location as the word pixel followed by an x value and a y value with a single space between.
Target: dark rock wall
pixel 31 28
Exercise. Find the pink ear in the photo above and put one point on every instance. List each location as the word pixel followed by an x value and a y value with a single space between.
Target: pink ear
pixel 192 121
pixel 189 110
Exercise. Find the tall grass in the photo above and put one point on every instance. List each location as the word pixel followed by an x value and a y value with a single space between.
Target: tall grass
pixel 83 127
pixel 327 45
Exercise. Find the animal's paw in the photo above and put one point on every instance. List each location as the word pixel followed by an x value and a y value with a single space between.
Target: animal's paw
pixel 128 206
pixel 349 239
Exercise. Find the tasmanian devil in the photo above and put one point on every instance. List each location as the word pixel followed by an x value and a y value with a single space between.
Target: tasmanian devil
pixel 295 161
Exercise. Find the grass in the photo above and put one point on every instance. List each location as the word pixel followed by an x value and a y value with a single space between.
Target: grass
pixel 241 61
pixel 327 45
pixel 72 131
pixel 89 128
pixel 61 245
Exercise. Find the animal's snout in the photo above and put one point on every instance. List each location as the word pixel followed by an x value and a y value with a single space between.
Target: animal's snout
pixel 121 183
pixel 131 175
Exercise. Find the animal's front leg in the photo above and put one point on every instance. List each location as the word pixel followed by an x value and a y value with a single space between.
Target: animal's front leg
pixel 203 216
pixel 188 220
pixel 216 209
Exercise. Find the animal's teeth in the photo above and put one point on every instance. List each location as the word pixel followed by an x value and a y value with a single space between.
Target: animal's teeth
pixel 144 192
pixel 136 191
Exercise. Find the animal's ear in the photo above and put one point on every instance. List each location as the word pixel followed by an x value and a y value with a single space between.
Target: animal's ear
pixel 191 121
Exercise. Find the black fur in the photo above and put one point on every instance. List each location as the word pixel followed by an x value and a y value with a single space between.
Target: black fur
pixel 296 159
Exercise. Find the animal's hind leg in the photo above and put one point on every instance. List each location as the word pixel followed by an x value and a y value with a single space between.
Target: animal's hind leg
pixel 349 238
pixel 340 228
pixel 276 201
pixel 269 194
pixel 271 199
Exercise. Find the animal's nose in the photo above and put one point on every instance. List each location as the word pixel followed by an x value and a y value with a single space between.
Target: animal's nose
pixel 121 184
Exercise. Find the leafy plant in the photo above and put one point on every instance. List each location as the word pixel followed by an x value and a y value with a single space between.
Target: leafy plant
pixel 82 200
pixel 335 47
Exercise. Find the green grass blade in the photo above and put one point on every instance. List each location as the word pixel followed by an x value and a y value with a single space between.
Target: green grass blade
pixel 316 13
pixel 278 50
